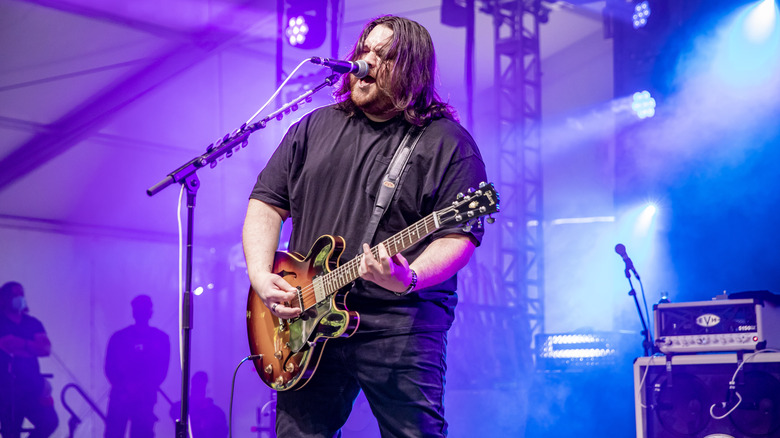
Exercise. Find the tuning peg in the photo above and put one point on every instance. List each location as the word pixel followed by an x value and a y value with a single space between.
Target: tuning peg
pixel 460 196
pixel 482 185
pixel 490 219
pixel 471 190
pixel 467 228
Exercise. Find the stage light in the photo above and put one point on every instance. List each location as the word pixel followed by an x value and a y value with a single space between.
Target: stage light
pixel 198 290
pixel 643 104
pixel 748 54
pixel 645 220
pixel 297 29
pixel 641 14
pixel 306 23
pixel 761 21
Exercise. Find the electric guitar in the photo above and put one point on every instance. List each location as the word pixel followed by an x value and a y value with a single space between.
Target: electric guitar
pixel 291 348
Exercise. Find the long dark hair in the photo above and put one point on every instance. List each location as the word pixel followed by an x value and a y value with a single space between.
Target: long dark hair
pixel 410 84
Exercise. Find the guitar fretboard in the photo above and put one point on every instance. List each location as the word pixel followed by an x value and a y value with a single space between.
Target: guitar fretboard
pixel 345 274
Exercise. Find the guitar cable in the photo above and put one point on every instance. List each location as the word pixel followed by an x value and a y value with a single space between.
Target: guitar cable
pixel 732 390
pixel 232 388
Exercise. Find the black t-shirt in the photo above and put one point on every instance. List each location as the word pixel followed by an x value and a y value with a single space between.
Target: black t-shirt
pixel 326 173
pixel 23 372
pixel 137 362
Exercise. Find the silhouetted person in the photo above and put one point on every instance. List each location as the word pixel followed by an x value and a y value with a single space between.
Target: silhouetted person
pixel 207 420
pixel 23 391
pixel 136 364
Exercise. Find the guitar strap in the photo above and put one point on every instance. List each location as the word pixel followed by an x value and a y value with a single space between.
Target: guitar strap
pixel 392 179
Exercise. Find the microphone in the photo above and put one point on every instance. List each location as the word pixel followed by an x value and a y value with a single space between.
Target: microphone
pixel 358 68
pixel 621 250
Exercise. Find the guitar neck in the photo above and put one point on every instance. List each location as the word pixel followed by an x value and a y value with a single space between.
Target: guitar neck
pixel 348 272
pixel 465 209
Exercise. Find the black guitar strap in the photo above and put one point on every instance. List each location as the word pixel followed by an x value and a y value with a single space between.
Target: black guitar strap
pixel 392 179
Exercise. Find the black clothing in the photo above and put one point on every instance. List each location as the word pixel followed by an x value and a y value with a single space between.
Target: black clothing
pixel 23 391
pixel 136 364
pixel 26 370
pixel 207 420
pixel 402 377
pixel 38 410
pixel 326 173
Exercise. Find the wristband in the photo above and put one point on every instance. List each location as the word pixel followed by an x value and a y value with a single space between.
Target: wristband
pixel 411 285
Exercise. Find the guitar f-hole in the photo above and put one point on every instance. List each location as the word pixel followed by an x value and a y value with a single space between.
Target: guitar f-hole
pixel 284 273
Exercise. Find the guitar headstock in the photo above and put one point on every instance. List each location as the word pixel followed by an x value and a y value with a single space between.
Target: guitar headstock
pixel 472 206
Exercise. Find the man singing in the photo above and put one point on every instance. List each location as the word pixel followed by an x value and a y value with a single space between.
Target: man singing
pixel 324 176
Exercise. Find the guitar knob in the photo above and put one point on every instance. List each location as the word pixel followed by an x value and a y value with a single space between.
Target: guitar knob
pixel 290 368
pixel 269 369
pixel 279 381
pixel 278 354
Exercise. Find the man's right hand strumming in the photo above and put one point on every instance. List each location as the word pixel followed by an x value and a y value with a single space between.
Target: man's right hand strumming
pixel 276 294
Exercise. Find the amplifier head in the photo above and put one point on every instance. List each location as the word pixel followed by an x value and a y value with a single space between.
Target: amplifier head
pixel 712 326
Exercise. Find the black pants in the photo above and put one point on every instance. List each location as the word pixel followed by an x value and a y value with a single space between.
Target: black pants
pixel 138 413
pixel 38 410
pixel 402 377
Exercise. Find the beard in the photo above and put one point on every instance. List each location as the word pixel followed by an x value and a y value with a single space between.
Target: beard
pixel 367 95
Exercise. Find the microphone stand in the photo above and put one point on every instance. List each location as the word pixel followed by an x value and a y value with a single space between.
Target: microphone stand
pixel 187 176
pixel 647 344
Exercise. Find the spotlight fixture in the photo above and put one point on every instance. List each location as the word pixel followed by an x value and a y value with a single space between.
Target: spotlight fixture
pixel 297 29
pixel 643 104
pixel 641 14
pixel 306 23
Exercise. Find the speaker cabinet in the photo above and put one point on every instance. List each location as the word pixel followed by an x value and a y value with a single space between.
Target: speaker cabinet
pixel 683 396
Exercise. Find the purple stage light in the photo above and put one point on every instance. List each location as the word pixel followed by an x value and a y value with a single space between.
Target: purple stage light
pixel 297 30
pixel 641 14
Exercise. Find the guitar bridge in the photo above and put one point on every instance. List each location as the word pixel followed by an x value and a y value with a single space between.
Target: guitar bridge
pixel 299 297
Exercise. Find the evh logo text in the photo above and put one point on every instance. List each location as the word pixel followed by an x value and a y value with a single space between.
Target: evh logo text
pixel 708 320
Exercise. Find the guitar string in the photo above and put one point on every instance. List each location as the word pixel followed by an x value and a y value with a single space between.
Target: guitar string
pixel 307 293
pixel 332 279
pixel 349 268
